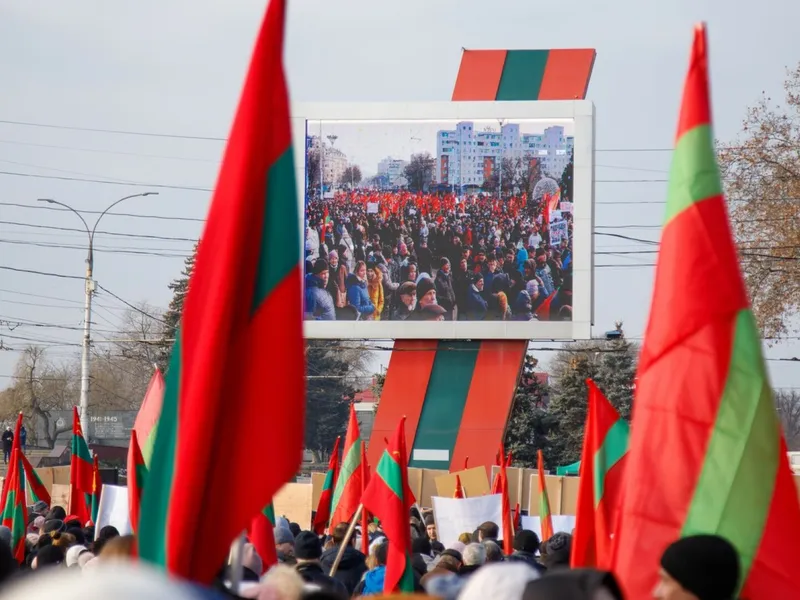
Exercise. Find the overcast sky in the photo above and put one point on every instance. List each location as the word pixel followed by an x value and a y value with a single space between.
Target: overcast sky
pixel 175 67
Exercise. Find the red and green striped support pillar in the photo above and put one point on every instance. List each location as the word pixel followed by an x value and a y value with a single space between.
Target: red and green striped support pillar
pixel 457 395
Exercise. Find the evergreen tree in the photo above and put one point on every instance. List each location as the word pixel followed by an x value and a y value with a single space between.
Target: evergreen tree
pixel 335 374
pixel 612 365
pixel 566 179
pixel 172 316
pixel 530 423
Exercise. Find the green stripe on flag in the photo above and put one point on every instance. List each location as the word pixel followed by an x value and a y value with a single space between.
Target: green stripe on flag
pixel 156 495
pixel 523 72
pixel 544 504
pixel 80 449
pixel 351 462
pixel 328 483
pixel 269 512
pixel 445 399
pixel 694 174
pixel 389 471
pixel 734 491
pixel 280 233
pixel 610 452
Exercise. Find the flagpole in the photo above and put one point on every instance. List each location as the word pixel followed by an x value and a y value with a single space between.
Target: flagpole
pixel 237 563
pixel 346 540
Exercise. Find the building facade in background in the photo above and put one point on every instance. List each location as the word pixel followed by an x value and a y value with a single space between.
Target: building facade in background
pixel 466 157
pixel 393 171
pixel 334 161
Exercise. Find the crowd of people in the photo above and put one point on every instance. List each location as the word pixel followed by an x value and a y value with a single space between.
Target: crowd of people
pixel 398 256
pixel 702 567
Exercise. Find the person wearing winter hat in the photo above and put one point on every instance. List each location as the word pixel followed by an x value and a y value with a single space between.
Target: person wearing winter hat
pixel 426 296
pixel 432 312
pixel 557 550
pixel 53 525
pixel 72 555
pixel 404 302
pixel 526 545
pixel 40 507
pixel 5 535
pixel 284 544
pixel 698 567
pixel 308 551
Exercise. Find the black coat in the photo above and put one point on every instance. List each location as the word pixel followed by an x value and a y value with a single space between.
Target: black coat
pixel 313 574
pixel 351 568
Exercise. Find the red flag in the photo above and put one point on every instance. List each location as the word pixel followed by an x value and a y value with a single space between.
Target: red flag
pixel 706 451
pixel 241 326
pixel 365 476
pixel 137 474
pixel 605 447
pixel 545 518
pixel 15 510
pixel 389 497
pixel 15 444
pixel 262 536
pixel 459 492
pixel 81 472
pixel 508 526
pixel 323 514
pixel 349 486
pixel 147 417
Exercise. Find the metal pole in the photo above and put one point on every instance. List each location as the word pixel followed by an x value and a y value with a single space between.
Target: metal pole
pixel 89 288
pixel 85 350
pixel 346 540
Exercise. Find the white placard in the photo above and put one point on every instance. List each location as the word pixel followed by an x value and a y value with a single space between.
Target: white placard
pixel 455 516
pixel 565 207
pixel 565 523
pixel 372 208
pixel 113 509
pixel 558 232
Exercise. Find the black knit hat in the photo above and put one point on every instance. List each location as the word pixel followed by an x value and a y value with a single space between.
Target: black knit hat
pixel 320 266
pixel 307 546
pixel 705 565
pixel 424 286
pixel 526 541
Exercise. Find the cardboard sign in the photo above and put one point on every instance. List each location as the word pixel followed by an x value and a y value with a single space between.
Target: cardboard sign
pixel 456 516
pixel 317 483
pixel 59 495
pixel 473 481
pixel 293 501
pixel 553 485
pixel 372 208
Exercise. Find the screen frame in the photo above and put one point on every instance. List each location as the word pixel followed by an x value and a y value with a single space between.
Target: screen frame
pixel 581 112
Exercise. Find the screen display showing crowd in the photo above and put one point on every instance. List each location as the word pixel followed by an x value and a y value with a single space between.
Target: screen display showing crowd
pixel 428 225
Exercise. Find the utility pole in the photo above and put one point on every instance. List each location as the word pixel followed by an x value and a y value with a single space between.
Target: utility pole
pixel 89 288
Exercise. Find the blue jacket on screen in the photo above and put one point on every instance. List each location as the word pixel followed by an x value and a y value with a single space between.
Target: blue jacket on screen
pixel 358 296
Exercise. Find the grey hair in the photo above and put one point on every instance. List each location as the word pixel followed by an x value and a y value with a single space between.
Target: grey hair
pixel 474 554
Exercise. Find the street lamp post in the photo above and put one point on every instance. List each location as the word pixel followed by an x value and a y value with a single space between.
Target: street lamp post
pixel 89 289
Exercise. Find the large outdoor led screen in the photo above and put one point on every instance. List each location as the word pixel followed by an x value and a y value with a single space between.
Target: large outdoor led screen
pixel 452 220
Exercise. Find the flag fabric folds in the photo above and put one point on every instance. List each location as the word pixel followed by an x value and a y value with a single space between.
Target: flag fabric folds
pixel 507 524
pixel 706 450
pixel 349 486
pixel 15 511
pixel 323 513
pixel 262 536
pixel 389 498
pixel 97 489
pixel 605 445
pixel 365 476
pixel 459 491
pixel 15 445
pixel 137 478
pixel 81 472
pixel 241 327
pixel 545 516
pixel 146 423
pixel 37 491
